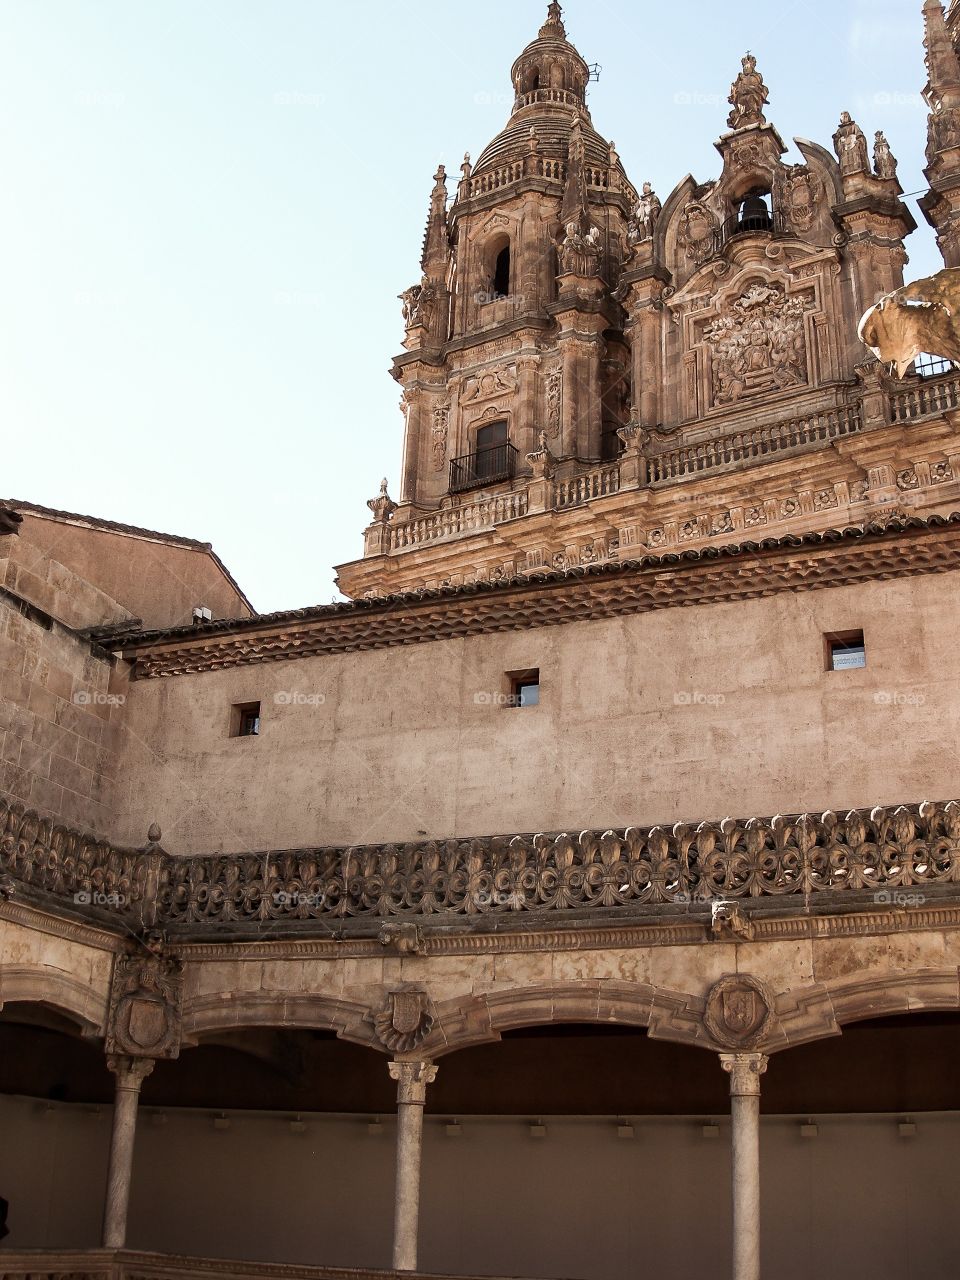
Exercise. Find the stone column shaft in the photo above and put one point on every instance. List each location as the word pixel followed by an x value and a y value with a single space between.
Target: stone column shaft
pixel 130 1074
pixel 412 1080
pixel 745 1071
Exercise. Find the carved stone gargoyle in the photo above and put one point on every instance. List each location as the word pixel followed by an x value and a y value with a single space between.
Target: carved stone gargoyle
pixel 921 317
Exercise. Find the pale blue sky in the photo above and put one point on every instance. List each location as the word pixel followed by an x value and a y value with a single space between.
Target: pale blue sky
pixel 209 206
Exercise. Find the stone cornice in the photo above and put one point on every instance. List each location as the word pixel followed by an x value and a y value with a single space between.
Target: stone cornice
pixel 707 575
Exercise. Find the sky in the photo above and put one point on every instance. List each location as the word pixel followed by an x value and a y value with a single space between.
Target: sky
pixel 209 207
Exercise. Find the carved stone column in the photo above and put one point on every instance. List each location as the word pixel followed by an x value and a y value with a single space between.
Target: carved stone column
pixel 745 1071
pixel 130 1074
pixel 412 1079
pixel 413 401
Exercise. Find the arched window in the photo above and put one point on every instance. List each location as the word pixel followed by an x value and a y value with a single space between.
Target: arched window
pixel 501 273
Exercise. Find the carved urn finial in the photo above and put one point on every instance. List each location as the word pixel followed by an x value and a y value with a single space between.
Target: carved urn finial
pixel 382 506
pixel 748 96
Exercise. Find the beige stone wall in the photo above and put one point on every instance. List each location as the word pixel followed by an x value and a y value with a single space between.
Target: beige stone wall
pixel 157 581
pixel 60 712
pixel 495 1200
pixel 658 717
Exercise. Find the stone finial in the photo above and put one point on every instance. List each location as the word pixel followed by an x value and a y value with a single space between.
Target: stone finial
pixel 748 96
pixel 382 506
pixel 154 833
pixel 554 24
pixel 466 168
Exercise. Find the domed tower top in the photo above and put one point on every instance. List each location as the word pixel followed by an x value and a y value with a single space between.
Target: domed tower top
pixel 550 71
pixel 550 91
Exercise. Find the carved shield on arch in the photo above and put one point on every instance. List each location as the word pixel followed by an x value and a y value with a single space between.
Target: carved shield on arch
pixel 144 1021
pixel 738 1012
pixel 407 1011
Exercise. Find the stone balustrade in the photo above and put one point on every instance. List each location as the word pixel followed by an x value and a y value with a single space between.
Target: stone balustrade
pixel 587 485
pixel 755 444
pixel 472 517
pixel 926 398
pixel 884 852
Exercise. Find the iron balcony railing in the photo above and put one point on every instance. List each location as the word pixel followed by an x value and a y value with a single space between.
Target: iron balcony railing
pixel 485 466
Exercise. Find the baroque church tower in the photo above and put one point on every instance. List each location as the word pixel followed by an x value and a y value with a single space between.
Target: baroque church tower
pixel 590 373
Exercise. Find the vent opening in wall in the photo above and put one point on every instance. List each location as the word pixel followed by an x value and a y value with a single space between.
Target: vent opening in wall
pixel 524 688
pixel 245 720
pixel 845 650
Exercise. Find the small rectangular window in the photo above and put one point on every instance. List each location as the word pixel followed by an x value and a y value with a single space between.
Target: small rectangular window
pixel 524 688
pixel 845 650
pixel 246 720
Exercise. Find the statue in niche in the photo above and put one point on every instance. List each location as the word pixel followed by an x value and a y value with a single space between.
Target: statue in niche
pixel 748 96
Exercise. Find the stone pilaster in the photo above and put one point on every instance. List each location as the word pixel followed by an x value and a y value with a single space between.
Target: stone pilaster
pixel 412 1079
pixel 745 1070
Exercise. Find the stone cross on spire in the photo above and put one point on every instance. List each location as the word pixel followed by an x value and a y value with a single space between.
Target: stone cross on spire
pixel 748 96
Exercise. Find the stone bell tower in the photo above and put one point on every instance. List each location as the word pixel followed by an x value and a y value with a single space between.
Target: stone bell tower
pixel 513 329
pixel 590 374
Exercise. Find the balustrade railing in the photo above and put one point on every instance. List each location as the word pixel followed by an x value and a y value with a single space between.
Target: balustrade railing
pixel 758 442
pixel 470 518
pixel 596 177
pixel 591 484
pixel 926 398
pixel 883 852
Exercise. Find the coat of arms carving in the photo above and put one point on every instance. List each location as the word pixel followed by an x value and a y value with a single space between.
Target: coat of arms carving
pixel 757 344
pixel 145 1003
pixel 738 1012
pixel 698 232
pixel 406 1021
pixel 798 193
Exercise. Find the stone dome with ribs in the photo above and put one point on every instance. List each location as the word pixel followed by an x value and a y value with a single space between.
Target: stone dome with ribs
pixel 550 80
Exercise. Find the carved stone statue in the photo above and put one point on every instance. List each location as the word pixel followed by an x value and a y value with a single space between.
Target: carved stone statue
pixel 897 332
pixel 851 146
pixel 646 214
pixel 884 163
pixel 580 251
pixel 748 96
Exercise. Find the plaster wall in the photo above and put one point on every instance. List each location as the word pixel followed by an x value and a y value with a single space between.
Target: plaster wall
pixel 660 717
pixel 855 1200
